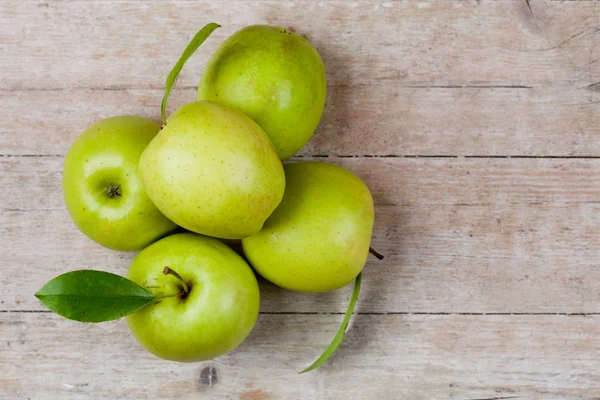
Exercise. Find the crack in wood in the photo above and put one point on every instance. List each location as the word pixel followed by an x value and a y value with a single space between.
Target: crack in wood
pixel 528 2
pixel 498 398
pixel 594 87
pixel 570 38
pixel 333 156
pixel 440 313
pixel 92 88
pixel 30 155
pixel 331 87
pixel 467 86
pixel 29 209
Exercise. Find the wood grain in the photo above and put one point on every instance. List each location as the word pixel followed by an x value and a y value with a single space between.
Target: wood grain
pixel 363 120
pixel 405 78
pixel 490 288
pixel 459 235
pixel 384 357
pixel 134 44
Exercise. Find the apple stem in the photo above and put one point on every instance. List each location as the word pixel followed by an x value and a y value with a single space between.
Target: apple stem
pixel 170 271
pixel 376 253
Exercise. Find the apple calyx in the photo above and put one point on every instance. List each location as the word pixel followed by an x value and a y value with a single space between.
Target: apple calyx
pixel 113 191
pixel 186 290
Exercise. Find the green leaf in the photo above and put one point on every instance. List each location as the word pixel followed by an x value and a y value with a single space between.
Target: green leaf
pixel 93 296
pixel 196 41
pixel 339 336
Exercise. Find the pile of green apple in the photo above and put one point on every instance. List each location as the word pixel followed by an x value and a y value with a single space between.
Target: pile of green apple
pixel 214 168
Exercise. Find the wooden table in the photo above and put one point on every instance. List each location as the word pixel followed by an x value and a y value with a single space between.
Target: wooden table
pixel 475 124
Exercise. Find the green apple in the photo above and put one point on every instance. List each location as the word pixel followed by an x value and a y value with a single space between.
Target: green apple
pixel 103 190
pixel 318 238
pixel 213 171
pixel 274 76
pixel 213 307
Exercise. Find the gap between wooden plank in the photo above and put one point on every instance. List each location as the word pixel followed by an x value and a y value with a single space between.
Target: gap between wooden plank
pixel 369 156
pixel 371 313
pixel 332 87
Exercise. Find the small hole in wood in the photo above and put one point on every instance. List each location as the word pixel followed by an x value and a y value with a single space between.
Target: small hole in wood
pixel 208 376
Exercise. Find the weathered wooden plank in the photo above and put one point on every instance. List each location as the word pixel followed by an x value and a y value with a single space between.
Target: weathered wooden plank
pixel 97 44
pixel 35 183
pixel 460 235
pixel 478 79
pixel 374 120
pixel 384 357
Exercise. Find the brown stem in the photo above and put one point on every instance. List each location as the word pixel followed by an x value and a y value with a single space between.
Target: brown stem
pixel 375 253
pixel 169 271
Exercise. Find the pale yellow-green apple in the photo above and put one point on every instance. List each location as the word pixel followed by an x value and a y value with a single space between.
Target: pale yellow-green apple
pixel 214 299
pixel 213 171
pixel 318 238
pixel 274 76
pixel 103 190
